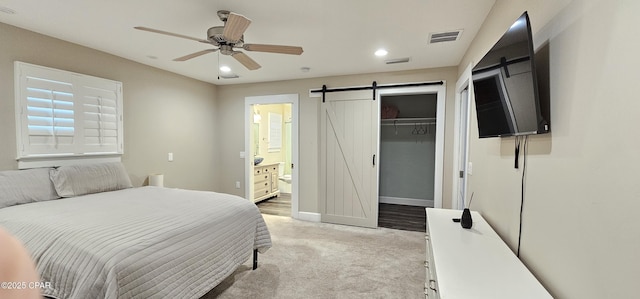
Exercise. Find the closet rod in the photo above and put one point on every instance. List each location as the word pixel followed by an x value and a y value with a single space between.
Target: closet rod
pixel 407 119
pixel 409 124
pixel 373 86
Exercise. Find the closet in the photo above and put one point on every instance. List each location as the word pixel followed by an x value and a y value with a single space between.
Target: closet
pixel 366 162
pixel 408 149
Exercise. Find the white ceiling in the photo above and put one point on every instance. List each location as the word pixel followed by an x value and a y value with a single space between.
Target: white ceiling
pixel 339 37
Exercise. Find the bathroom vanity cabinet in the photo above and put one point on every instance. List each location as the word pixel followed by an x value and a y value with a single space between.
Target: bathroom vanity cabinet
pixel 265 180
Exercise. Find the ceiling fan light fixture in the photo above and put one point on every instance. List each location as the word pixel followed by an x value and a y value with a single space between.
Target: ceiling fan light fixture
pixel 225 69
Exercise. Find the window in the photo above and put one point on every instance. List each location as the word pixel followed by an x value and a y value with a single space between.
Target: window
pixel 62 114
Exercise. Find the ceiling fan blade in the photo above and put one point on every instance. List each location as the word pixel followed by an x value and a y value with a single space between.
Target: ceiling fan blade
pixel 171 34
pixel 194 55
pixel 246 60
pixel 235 26
pixel 273 49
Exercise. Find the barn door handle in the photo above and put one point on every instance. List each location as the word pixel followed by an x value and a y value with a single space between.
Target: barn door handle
pixel 374 159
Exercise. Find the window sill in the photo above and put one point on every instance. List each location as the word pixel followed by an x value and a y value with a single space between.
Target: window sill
pixel 60 160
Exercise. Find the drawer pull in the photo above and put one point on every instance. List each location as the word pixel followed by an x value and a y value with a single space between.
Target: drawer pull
pixel 266 184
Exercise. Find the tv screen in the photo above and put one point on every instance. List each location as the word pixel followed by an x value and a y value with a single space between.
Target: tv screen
pixel 505 86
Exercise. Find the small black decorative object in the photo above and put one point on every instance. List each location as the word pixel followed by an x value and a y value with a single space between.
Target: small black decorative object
pixel 466 220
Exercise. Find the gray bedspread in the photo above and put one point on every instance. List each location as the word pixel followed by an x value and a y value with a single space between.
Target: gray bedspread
pixel 146 242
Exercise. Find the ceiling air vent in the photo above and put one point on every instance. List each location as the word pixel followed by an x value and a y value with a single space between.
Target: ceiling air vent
pixel 398 60
pixel 440 37
pixel 229 76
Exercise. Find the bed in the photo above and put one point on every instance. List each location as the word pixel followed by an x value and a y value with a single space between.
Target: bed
pixel 123 242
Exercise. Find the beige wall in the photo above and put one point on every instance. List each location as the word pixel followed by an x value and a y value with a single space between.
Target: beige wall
pixel 580 236
pixel 163 112
pixel 231 104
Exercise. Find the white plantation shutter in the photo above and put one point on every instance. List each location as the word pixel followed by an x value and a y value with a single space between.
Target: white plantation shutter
pixel 49 124
pixel 100 119
pixel 60 113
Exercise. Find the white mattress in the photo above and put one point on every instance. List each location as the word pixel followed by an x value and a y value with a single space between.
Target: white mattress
pixel 144 242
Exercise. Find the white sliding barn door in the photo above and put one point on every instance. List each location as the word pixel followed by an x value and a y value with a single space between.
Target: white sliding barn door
pixel 349 153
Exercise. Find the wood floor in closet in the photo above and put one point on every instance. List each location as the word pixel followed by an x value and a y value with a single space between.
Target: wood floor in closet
pixel 402 217
pixel 392 216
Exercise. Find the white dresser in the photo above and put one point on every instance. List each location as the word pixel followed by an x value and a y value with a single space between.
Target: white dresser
pixel 473 263
pixel 265 181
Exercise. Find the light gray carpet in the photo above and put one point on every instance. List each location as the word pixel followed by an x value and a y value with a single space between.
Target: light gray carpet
pixel 319 260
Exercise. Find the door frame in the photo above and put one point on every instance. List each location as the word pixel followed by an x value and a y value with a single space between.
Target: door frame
pixel 292 99
pixel 464 82
pixel 440 91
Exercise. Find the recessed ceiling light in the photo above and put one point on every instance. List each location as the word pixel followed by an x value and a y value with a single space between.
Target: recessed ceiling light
pixel 225 69
pixel 381 52
pixel 305 69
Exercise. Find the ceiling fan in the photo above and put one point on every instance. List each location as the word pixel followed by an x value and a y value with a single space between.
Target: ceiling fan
pixel 229 37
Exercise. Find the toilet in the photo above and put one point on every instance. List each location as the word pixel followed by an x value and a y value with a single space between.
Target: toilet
pixel 284 180
pixel 281 176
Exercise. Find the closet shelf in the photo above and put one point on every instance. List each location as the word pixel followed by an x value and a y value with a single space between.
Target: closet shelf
pixel 407 121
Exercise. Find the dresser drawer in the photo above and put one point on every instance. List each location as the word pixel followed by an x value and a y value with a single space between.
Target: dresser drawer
pixel 261 192
pixel 260 178
pixel 264 184
pixel 270 169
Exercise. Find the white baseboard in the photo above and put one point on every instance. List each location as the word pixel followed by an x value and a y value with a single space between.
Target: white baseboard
pixel 308 216
pixel 406 201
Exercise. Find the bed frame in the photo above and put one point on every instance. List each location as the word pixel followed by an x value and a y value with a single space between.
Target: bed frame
pixel 255 259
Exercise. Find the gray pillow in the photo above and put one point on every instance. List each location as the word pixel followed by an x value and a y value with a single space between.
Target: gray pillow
pixel 25 186
pixel 76 180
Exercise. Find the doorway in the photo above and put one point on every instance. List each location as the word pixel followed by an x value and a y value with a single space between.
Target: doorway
pixel 462 165
pixel 271 150
pixel 409 151
pixel 420 129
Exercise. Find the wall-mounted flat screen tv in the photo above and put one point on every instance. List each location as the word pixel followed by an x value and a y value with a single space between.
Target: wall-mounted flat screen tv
pixel 505 86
